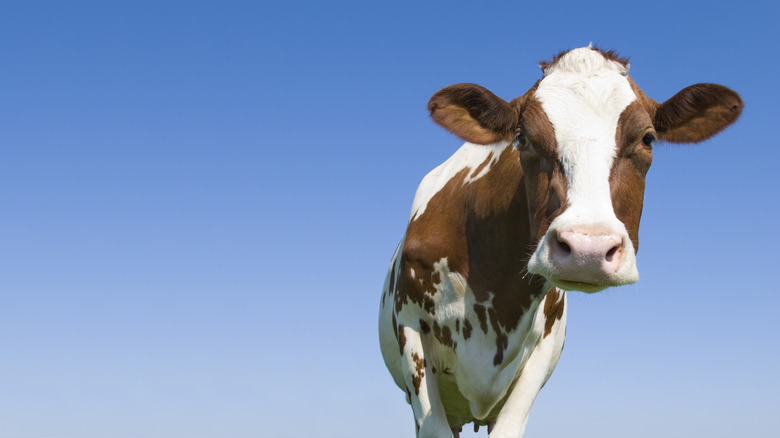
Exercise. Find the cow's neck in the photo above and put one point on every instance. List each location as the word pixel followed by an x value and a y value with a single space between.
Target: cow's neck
pixel 499 241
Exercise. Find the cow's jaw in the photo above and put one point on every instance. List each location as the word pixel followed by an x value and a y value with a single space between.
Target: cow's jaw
pixel 586 247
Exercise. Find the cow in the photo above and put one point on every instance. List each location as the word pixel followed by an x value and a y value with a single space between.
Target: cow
pixel 544 197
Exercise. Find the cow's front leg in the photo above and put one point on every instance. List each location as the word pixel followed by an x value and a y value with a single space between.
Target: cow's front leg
pixel 430 419
pixel 513 416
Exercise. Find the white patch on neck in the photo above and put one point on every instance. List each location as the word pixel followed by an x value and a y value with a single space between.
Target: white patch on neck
pixel 469 156
pixel 583 95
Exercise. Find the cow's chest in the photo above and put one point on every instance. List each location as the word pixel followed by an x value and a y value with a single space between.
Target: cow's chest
pixel 474 357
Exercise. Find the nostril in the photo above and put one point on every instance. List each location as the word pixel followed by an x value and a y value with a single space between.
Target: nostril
pixel 563 247
pixel 611 253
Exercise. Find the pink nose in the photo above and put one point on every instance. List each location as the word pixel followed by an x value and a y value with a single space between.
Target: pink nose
pixel 587 256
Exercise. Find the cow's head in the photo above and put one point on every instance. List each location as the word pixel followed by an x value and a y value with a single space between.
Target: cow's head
pixel 584 134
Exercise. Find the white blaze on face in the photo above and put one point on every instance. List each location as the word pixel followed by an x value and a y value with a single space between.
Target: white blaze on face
pixel 583 94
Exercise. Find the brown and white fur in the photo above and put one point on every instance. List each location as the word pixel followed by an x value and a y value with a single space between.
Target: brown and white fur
pixel 545 197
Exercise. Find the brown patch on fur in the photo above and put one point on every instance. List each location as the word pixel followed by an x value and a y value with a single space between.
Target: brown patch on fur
pixel 553 310
pixel 418 372
pixel 481 316
pixel 391 287
pixel 401 338
pixel 493 318
pixel 627 176
pixel 420 289
pixel 536 126
pixel 547 184
pixel 444 335
pixel 428 303
pixel 466 329
pixel 436 277
pixel 425 327
pixel 502 342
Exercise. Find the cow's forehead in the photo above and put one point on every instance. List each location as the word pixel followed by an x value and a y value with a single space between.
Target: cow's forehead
pixel 583 94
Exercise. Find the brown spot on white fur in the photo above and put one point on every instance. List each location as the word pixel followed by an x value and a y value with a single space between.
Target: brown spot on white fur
pixel 418 372
pixel 553 309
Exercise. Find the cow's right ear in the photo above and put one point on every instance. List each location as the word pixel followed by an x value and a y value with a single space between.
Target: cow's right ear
pixel 473 113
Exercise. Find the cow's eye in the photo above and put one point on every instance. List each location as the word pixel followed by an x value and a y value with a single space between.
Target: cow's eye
pixel 521 141
pixel 648 139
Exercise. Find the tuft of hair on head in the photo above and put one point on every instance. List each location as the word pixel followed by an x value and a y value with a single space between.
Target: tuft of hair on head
pixel 609 55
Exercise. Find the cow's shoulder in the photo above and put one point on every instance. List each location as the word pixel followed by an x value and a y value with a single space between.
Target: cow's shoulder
pixel 445 188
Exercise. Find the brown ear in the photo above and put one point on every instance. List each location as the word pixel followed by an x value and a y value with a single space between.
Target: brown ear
pixel 697 113
pixel 473 113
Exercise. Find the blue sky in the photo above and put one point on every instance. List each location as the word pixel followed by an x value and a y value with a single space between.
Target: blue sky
pixel 200 199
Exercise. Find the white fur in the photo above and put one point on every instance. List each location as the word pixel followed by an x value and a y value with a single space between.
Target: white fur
pixel 583 95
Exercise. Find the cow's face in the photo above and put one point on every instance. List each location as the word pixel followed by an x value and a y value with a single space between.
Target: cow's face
pixel 584 134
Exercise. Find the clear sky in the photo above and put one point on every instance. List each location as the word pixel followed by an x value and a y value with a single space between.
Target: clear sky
pixel 198 202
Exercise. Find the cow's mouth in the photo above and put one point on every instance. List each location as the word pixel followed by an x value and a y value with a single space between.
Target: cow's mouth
pixel 578 285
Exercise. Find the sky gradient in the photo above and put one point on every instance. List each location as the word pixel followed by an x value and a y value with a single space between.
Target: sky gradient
pixel 200 199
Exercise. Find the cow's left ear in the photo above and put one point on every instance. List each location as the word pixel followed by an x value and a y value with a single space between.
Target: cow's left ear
pixel 697 113
pixel 473 113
